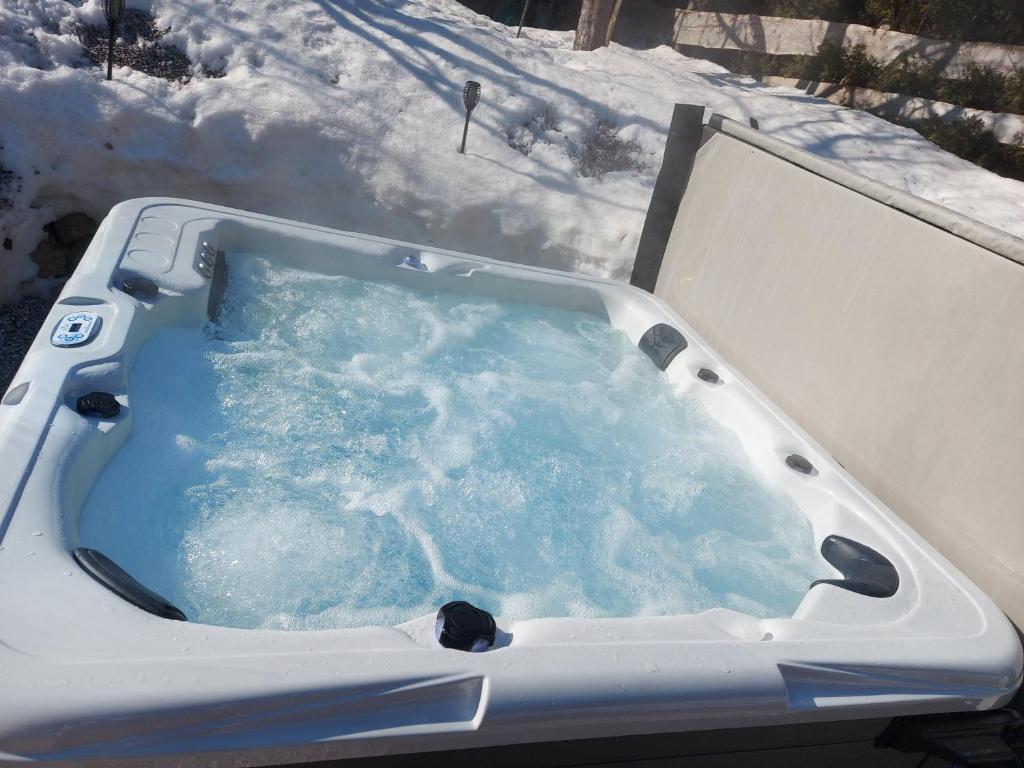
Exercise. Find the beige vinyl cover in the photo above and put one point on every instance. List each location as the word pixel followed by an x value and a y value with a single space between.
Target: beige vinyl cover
pixel 898 345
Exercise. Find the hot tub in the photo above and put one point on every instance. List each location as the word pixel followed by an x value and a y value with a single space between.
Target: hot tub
pixel 306 442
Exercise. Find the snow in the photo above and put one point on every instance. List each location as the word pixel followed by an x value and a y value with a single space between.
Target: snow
pixel 348 113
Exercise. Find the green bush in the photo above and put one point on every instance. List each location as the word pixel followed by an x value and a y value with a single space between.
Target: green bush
pixel 800 67
pixel 1016 152
pixel 968 138
pixel 833 64
pixel 807 9
pixel 729 6
pixel 980 87
pixel 994 21
pixel 1013 94
pixel 857 67
pixel 830 65
pixel 911 75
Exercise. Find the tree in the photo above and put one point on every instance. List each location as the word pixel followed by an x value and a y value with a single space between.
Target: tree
pixel 594 28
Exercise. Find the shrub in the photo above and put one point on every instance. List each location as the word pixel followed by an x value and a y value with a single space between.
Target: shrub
pixel 1013 94
pixel 911 75
pixel 968 138
pixel 807 9
pixel 833 64
pixel 800 67
pixel 858 68
pixel 980 87
pixel 1016 151
pixel 997 22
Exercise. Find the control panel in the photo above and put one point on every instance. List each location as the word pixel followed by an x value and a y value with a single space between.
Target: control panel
pixel 75 329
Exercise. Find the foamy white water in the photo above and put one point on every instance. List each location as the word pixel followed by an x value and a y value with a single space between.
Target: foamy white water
pixel 338 452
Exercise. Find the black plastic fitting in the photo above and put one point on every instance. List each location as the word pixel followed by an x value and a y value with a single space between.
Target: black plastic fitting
pixel 139 287
pixel 120 582
pixel 798 463
pixel 662 343
pixel 464 627
pixel 864 570
pixel 99 404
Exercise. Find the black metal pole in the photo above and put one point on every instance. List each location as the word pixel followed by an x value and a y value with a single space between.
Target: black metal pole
pixel 465 130
pixel 526 7
pixel 113 10
pixel 110 54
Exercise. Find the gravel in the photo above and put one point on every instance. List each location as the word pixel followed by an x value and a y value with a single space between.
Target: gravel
pixel 20 320
pixel 138 46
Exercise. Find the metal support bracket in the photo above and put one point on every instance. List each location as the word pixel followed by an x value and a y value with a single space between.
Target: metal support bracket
pixel 969 739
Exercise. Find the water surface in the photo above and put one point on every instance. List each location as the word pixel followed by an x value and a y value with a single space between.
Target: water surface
pixel 338 452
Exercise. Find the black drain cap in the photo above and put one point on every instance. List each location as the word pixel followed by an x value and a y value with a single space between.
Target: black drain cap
pixel 101 404
pixel 465 627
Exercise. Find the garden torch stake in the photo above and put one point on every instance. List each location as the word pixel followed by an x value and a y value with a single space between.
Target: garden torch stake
pixel 526 7
pixel 470 97
pixel 114 11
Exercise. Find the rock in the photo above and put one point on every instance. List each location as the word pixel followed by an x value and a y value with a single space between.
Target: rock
pixel 69 229
pixel 51 258
pixel 76 252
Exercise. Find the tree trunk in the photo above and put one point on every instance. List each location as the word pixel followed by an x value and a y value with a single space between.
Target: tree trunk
pixel 595 18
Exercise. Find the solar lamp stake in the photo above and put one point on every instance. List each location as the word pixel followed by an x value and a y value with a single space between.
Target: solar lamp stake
pixel 522 19
pixel 114 11
pixel 470 97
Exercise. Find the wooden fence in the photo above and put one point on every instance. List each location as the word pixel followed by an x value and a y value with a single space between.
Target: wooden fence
pixel 783 36
pixel 1006 128
pixel 775 35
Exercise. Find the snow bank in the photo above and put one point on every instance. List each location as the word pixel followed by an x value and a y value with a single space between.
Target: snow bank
pixel 348 113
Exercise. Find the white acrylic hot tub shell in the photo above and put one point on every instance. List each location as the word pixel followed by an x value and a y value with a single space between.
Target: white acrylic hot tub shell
pixel 85 675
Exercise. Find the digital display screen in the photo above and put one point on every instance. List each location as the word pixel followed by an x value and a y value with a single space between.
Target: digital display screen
pixel 75 327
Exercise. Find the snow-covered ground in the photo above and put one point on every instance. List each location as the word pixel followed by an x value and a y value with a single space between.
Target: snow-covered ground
pixel 348 113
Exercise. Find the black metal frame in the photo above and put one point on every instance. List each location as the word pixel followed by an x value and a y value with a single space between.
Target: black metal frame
pixel 684 139
pixel 838 744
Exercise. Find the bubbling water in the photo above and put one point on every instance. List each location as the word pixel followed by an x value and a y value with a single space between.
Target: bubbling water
pixel 340 452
